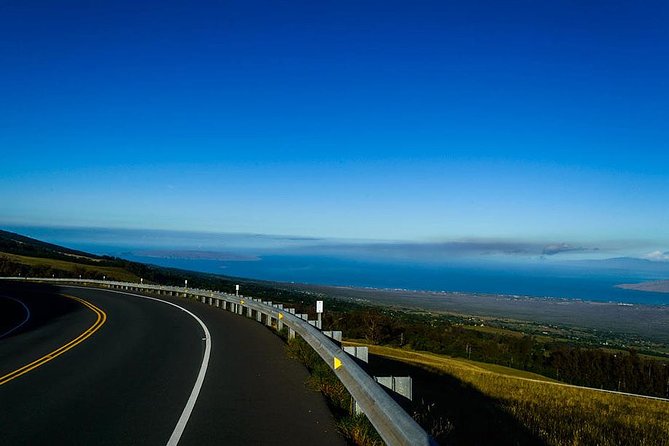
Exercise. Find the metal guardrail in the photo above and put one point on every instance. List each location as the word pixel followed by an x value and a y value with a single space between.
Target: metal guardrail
pixel 394 425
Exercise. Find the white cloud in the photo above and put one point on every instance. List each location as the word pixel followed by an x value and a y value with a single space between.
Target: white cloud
pixel 657 256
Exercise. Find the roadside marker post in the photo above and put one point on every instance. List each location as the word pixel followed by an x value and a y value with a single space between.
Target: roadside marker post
pixel 319 312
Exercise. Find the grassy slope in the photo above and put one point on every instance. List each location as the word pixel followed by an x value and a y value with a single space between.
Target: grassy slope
pixel 111 272
pixel 447 363
pixel 558 414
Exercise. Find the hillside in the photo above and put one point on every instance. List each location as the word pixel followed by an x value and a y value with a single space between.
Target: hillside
pixel 485 403
pixel 13 243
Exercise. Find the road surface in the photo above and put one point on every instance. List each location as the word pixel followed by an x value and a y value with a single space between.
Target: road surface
pixel 87 366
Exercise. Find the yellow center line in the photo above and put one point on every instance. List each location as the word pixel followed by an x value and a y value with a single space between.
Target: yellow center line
pixel 101 318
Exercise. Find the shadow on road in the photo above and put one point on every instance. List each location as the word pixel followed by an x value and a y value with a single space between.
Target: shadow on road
pixel 42 301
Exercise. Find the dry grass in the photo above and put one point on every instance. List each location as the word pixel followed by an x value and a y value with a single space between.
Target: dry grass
pixel 74 267
pixel 554 413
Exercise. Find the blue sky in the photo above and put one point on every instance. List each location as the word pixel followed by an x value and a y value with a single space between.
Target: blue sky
pixel 414 121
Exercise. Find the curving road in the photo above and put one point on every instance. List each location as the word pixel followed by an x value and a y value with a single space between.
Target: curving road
pixel 123 369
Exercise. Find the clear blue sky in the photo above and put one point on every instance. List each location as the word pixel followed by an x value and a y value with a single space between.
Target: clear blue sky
pixel 419 121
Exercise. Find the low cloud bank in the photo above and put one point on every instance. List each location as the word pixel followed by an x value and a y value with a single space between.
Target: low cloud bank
pixel 558 248
pixel 657 256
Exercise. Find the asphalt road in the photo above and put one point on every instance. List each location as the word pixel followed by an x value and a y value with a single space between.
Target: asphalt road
pixel 129 381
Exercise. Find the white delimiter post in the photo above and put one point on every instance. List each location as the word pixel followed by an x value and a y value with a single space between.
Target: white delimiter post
pixel 319 311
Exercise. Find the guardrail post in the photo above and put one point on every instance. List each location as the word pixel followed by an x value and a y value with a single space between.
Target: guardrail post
pixel 362 353
pixel 402 385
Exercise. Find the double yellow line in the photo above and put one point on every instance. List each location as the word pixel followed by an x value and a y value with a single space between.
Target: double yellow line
pixel 101 318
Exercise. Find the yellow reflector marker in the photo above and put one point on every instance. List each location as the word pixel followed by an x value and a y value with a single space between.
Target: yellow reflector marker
pixel 241 302
pixel 337 363
pixel 280 315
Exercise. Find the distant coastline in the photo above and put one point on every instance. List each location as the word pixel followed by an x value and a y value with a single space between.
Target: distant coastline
pixel 655 286
pixel 644 320
pixel 194 255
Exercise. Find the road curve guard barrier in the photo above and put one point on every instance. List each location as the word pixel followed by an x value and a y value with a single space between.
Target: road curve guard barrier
pixel 394 425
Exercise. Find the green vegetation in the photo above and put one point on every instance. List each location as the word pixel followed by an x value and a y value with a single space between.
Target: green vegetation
pixel 15 265
pixel 553 413
pixel 625 371
pixel 356 428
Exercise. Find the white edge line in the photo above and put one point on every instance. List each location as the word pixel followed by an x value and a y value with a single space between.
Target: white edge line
pixel 207 352
pixel 22 323
pixel 190 404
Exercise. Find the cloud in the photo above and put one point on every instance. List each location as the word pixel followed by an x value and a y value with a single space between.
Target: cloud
pixel 469 248
pixel 557 248
pixel 657 256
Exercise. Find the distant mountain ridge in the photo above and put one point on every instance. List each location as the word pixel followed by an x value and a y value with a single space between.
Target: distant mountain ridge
pixel 190 254
pixel 625 263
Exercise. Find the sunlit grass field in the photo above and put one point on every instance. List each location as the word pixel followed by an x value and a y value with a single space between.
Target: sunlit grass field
pixel 72 267
pixel 554 413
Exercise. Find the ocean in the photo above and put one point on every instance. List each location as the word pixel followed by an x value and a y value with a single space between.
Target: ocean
pixel 299 261
pixel 526 280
